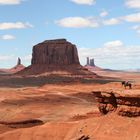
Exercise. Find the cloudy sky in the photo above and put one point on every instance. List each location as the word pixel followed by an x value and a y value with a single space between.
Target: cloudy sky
pixel 108 31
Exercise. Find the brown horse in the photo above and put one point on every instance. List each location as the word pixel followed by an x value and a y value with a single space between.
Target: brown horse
pixel 127 84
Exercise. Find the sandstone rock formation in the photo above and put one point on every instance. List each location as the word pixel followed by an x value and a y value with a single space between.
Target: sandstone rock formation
pixel 123 105
pixel 19 61
pixel 55 56
pixel 55 52
pixel 18 67
pixel 90 62
pixel 90 65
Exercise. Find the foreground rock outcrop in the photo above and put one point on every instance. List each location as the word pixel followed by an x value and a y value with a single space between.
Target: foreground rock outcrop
pixel 124 105
pixel 55 56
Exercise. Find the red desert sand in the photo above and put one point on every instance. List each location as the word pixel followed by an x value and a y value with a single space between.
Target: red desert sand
pixel 60 112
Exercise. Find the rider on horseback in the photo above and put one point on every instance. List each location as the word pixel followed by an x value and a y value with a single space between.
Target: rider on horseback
pixel 127 83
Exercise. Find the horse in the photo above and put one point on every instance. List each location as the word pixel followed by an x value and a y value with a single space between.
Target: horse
pixel 123 83
pixel 127 84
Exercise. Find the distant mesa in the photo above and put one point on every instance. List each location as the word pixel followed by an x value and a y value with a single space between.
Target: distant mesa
pixel 55 57
pixel 90 65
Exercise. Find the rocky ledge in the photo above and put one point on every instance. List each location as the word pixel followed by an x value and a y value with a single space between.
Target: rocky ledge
pixel 126 105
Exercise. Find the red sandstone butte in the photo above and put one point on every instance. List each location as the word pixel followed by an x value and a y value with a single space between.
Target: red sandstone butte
pixel 55 56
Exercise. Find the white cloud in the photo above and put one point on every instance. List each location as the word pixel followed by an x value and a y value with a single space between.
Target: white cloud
pixel 103 13
pixel 77 22
pixel 6 57
pixel 116 43
pixel 9 2
pixel 128 18
pixel 83 22
pixel 27 57
pixel 132 3
pixel 117 56
pixel 84 2
pixel 26 60
pixel 132 17
pixel 16 25
pixel 112 21
pixel 7 37
pixel 136 28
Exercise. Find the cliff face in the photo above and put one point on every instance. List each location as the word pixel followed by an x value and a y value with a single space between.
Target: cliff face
pixel 55 52
pixel 123 105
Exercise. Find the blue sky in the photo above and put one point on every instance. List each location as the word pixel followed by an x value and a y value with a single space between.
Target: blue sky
pixel 108 31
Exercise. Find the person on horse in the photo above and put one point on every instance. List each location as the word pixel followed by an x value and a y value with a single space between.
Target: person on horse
pixel 127 84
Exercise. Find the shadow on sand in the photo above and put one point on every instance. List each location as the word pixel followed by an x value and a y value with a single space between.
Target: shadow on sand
pixel 12 81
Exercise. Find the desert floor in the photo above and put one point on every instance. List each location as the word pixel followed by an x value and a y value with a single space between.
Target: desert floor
pixel 65 111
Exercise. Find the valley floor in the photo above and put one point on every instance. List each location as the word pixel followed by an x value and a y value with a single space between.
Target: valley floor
pixel 64 112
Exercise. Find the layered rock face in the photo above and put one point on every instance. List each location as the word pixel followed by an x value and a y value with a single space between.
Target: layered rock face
pixel 53 57
pixel 123 105
pixel 55 52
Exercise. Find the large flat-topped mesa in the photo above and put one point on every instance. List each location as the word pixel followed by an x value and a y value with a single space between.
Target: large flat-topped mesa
pixel 55 57
pixel 55 52
pixel 55 41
